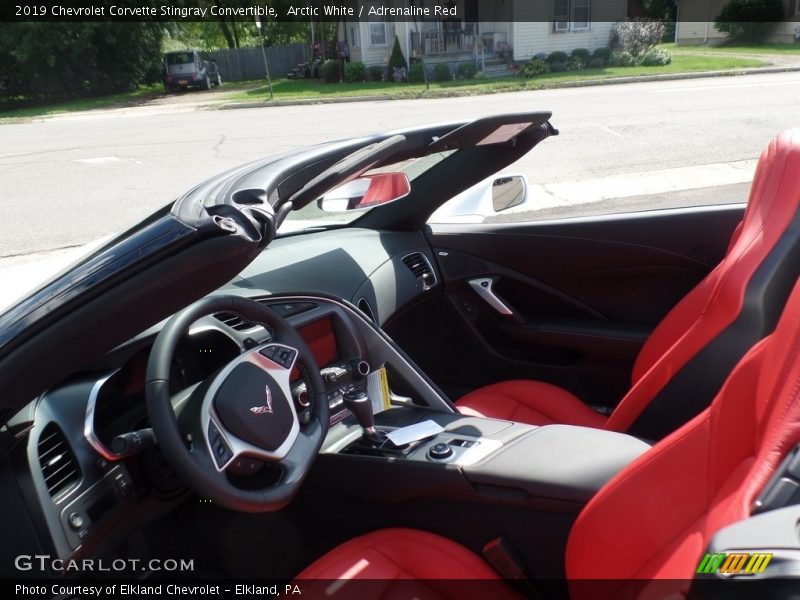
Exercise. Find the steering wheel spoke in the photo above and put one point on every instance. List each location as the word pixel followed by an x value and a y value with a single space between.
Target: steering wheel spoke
pixel 247 410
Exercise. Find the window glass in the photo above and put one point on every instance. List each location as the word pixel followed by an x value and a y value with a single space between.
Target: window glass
pixel 561 15
pixel 377 34
pixel 355 35
pixel 312 216
pixel 580 14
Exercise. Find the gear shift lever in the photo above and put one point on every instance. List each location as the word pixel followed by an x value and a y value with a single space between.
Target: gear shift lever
pixel 358 403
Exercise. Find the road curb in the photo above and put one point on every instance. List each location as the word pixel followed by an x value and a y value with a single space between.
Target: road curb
pixel 567 84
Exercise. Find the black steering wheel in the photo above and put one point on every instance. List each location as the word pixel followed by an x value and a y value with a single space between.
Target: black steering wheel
pixel 245 411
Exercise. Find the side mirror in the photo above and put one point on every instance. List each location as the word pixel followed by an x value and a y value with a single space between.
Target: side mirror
pixel 508 192
pixel 365 192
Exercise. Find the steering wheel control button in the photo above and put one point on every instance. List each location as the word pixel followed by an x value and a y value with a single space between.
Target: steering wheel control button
pixel 269 352
pixel 75 520
pixel 279 355
pixel 219 448
pixel 440 451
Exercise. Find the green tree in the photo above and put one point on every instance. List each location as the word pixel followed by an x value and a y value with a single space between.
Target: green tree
pixel 60 60
pixel 396 60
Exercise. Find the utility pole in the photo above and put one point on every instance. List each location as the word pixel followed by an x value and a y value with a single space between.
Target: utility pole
pixel 264 56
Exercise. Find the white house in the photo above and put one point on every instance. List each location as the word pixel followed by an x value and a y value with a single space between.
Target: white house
pixel 521 28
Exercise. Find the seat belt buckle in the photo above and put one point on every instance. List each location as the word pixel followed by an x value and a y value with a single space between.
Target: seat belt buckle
pixel 504 559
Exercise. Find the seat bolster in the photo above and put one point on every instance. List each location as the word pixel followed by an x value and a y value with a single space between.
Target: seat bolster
pixel 402 563
pixel 532 402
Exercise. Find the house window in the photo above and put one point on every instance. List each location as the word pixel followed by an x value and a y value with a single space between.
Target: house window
pixel 797 7
pixel 580 15
pixel 355 34
pixel 561 15
pixel 377 34
pixel 573 15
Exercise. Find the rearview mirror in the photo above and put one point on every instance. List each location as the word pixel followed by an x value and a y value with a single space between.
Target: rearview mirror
pixel 508 192
pixel 365 192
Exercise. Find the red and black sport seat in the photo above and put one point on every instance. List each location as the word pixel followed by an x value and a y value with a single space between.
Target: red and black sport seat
pixel 649 526
pixel 687 357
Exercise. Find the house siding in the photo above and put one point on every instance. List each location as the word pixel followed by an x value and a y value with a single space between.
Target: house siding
pixel 533 28
pixel 532 38
pixel 379 55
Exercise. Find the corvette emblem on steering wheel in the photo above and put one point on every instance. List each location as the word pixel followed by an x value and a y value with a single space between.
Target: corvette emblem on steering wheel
pixel 266 408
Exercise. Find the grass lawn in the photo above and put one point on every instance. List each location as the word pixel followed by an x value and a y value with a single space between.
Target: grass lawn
pixel 738 49
pixel 21 108
pixel 16 107
pixel 306 89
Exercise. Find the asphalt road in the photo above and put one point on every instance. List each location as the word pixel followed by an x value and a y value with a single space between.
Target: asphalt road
pixel 71 179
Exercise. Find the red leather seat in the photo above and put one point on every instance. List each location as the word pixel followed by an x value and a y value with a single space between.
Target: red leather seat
pixel 650 524
pixel 721 300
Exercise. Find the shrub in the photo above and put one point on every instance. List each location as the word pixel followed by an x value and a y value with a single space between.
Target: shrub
pixel 621 59
pixel 636 37
pixel 657 57
pixel 575 64
pixel 467 71
pixel 557 56
pixel 396 60
pixel 749 19
pixel 558 66
pixel 441 72
pixel 581 53
pixel 329 71
pixel 376 73
pixel 541 55
pixel 416 74
pixel 354 72
pixel 602 54
pixel 481 75
pixel 596 63
pixel 533 67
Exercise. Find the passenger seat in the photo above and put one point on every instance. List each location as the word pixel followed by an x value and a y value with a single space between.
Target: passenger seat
pixel 684 362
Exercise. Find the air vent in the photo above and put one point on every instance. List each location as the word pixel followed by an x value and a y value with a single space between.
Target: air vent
pixel 284 309
pixel 59 467
pixel 418 263
pixel 364 307
pixel 234 321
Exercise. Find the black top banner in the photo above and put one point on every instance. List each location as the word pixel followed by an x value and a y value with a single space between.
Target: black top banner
pixel 453 11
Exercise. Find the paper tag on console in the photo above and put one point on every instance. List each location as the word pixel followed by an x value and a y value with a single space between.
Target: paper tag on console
pixel 378 390
pixel 412 433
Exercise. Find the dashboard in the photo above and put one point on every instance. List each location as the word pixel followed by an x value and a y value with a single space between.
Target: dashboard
pixel 93 470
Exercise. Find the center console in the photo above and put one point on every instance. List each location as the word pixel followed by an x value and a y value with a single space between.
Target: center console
pixel 553 467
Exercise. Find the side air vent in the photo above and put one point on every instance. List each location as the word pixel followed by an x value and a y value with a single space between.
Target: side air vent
pixel 59 467
pixel 418 263
pixel 363 306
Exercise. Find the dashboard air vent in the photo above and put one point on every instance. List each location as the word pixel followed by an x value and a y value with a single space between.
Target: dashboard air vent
pixel 59 467
pixel 363 306
pixel 234 321
pixel 284 309
pixel 418 263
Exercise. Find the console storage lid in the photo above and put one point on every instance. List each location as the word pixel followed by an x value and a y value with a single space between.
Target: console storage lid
pixel 562 462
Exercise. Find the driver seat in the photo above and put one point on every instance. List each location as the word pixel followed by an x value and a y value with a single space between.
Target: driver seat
pixel 652 521
pixel 684 362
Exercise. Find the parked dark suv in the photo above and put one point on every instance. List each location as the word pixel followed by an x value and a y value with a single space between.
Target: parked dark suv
pixel 188 68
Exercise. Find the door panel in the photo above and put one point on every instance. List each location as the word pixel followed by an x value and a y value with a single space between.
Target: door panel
pixel 583 295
